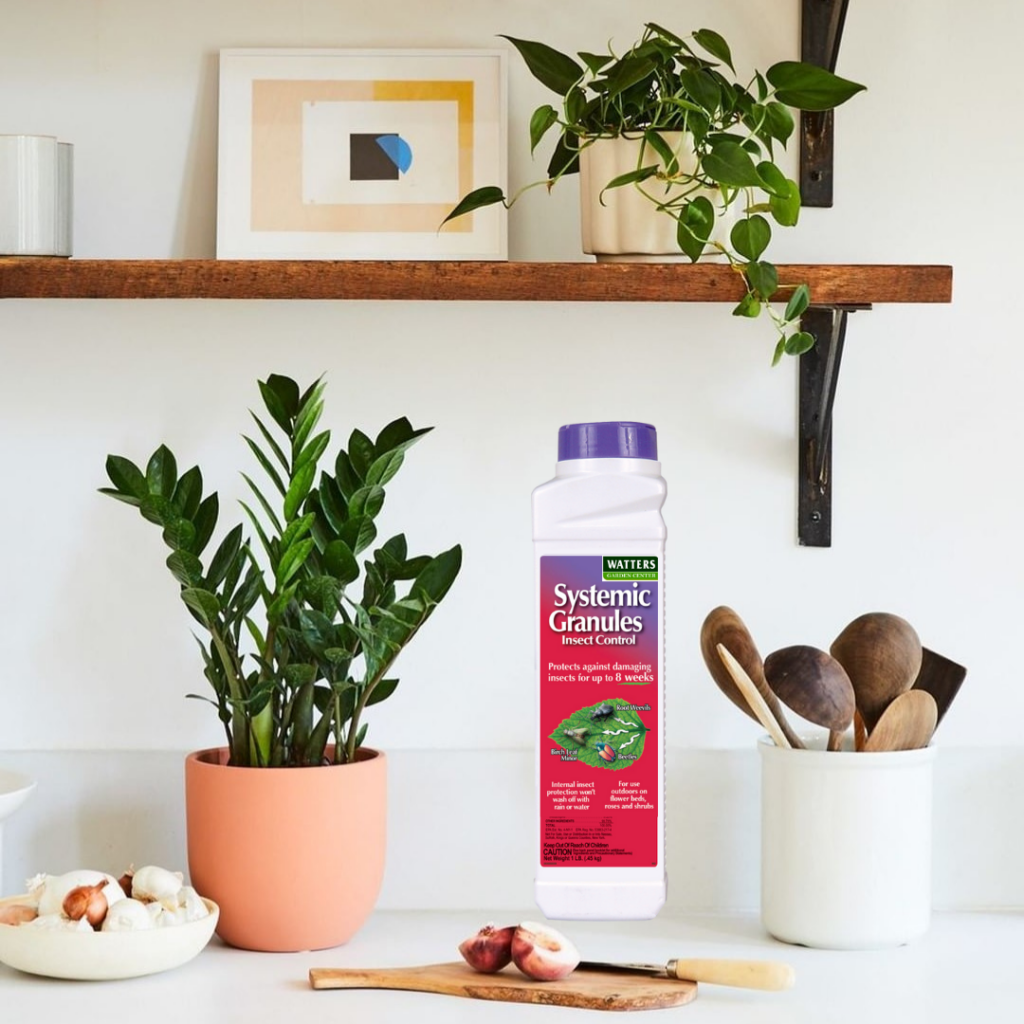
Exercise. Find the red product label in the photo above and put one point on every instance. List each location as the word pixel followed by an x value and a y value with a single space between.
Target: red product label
pixel 599 690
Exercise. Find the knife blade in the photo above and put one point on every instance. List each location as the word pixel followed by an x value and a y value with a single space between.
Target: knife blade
pixel 767 975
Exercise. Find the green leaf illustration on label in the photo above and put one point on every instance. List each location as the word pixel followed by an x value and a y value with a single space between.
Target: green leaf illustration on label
pixel 608 734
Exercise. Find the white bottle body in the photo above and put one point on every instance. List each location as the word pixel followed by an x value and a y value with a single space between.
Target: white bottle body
pixel 595 508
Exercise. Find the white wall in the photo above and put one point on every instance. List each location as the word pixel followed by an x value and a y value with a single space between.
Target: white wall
pixel 96 650
pixel 459 836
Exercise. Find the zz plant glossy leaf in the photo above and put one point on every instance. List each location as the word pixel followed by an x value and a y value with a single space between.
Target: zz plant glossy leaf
pixel 319 657
pixel 162 472
pixel 126 477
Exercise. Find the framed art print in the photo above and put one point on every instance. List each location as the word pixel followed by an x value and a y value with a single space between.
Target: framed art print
pixel 359 154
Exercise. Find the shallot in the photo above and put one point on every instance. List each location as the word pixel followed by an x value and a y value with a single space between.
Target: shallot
pixel 48 891
pixel 489 950
pixel 542 953
pixel 17 913
pixel 88 902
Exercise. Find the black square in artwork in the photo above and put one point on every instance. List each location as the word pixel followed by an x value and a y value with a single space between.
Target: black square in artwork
pixel 368 161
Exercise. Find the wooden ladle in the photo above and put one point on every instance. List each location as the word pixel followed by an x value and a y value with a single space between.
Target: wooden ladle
pixel 723 626
pixel 882 656
pixel 906 724
pixel 815 686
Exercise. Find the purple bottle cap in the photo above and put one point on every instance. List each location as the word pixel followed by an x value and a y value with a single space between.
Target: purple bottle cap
pixel 616 439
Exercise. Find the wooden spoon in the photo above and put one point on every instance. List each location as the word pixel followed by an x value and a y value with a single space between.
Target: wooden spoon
pixel 941 678
pixel 815 686
pixel 724 626
pixel 750 692
pixel 860 732
pixel 907 723
pixel 882 656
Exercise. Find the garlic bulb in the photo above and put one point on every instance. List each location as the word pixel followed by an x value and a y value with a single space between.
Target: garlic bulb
pixel 191 902
pixel 59 923
pixel 128 916
pixel 34 887
pixel 170 918
pixel 49 891
pixel 152 884
pixel 74 901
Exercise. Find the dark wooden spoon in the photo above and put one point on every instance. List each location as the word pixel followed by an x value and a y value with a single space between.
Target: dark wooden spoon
pixel 723 626
pixel 815 686
pixel 882 656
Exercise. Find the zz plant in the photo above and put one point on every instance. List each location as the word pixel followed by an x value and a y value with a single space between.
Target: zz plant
pixel 293 658
pixel 667 83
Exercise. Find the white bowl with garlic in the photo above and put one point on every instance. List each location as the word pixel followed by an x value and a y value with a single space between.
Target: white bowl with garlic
pixel 89 926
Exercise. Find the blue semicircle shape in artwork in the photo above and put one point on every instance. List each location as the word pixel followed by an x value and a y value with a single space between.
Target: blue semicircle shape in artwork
pixel 399 151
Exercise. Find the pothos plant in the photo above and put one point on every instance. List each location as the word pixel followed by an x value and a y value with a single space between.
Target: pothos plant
pixel 293 658
pixel 667 83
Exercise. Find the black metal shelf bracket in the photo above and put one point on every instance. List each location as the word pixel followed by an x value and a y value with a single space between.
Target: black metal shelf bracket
pixel 819 375
pixel 821 31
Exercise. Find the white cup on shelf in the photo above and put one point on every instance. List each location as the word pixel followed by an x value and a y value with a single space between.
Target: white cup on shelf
pixel 846 845
pixel 36 182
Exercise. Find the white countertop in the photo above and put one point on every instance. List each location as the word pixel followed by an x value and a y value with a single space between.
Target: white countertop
pixel 968 964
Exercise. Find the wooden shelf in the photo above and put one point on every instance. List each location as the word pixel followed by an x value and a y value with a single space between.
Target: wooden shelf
pixel 55 278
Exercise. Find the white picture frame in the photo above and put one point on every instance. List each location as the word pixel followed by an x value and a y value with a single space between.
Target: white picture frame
pixel 360 154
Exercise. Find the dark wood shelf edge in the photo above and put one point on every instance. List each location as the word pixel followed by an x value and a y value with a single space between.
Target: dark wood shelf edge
pixel 831 284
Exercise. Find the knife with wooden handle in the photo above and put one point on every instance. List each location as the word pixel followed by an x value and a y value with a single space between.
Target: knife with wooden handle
pixel 768 975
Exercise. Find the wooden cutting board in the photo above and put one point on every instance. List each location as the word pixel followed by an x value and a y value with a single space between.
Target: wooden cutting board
pixel 590 990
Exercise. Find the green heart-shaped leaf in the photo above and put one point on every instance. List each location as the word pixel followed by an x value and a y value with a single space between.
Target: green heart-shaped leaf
pixel 549 66
pixel 809 87
pixel 729 164
pixel 711 41
pixel 750 236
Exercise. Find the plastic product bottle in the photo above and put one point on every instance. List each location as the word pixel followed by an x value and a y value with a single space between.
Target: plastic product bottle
pixel 599 543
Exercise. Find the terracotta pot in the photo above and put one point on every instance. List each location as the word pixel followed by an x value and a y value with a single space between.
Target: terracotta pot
pixel 624 225
pixel 309 841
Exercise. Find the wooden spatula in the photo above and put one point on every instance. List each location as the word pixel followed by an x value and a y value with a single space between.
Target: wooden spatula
pixel 941 678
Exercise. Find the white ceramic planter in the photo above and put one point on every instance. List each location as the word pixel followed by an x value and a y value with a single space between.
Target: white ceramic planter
pixel 35 196
pixel 627 226
pixel 846 846
pixel 14 791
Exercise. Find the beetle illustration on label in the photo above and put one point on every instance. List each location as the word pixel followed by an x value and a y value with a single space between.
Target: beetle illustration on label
pixel 620 722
